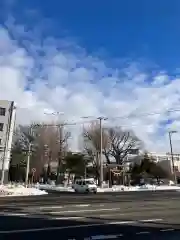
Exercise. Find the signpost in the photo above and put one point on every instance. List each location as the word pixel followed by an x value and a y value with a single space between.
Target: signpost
pixel 33 172
pixel 133 151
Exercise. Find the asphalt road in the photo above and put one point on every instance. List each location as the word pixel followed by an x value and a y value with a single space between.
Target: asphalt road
pixel 141 215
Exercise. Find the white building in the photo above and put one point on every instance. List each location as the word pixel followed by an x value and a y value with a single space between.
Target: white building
pixel 162 159
pixel 7 122
pixel 165 161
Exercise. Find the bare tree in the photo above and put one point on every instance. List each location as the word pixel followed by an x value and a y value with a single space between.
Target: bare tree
pixel 92 138
pixel 47 143
pixel 92 145
pixel 121 143
pixel 117 143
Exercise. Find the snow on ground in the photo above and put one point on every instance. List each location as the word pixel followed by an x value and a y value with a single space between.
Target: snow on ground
pixel 138 188
pixel 61 188
pixel 19 190
pixel 58 188
pixel 39 189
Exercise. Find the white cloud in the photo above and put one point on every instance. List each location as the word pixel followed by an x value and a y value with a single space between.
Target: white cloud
pixel 43 77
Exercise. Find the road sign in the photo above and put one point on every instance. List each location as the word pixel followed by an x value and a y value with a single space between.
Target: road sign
pixel 33 170
pixel 133 151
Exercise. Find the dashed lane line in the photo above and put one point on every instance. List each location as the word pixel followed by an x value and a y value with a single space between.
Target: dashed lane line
pixel 81 226
pixel 83 205
pixel 151 220
pixel 110 215
pixel 52 228
pixel 118 236
pixel 85 210
pixel 65 206
pixel 140 233
pixel 99 237
pixel 66 218
pixel 68 206
pixel 27 215
pixel 30 215
pixel 96 237
pixel 136 221
pixel 49 207
pixel 13 214
pixel 167 230
pixel 68 227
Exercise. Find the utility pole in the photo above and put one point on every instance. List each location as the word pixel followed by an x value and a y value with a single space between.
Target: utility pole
pixel 61 142
pixel 100 153
pixel 101 147
pixel 85 167
pixel 29 154
pixel 28 164
pixel 172 156
pixel 60 157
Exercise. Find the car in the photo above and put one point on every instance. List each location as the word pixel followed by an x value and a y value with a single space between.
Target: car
pixel 85 186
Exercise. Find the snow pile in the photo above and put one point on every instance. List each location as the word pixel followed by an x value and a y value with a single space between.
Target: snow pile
pixel 19 190
pixel 58 188
pixel 117 188
pixel 146 187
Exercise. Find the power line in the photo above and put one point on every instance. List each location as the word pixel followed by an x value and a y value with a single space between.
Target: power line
pixel 135 115
pixel 94 119
pixel 146 114
pixel 116 117
pixel 91 121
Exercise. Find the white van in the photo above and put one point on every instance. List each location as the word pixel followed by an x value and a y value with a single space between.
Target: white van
pixel 85 185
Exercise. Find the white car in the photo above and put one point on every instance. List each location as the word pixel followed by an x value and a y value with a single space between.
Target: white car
pixel 85 186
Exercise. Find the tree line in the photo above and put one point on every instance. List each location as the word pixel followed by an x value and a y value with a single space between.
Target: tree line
pixel 117 144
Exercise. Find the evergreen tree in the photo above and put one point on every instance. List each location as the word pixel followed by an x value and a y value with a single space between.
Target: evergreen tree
pixel 147 169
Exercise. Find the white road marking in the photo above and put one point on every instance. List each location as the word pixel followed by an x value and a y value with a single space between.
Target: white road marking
pixel 60 228
pixel 13 214
pixel 109 215
pixel 66 218
pixel 65 206
pixel 151 220
pixel 136 221
pixel 52 228
pixel 83 205
pixel 50 207
pixel 122 222
pixel 85 210
pixel 167 230
pixel 139 233
pixel 98 237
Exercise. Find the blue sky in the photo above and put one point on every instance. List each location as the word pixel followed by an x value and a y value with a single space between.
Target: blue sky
pixel 118 29
pixel 117 58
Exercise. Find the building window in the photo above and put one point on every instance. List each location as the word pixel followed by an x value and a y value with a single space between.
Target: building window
pixel 1 127
pixel 2 111
pixel 0 141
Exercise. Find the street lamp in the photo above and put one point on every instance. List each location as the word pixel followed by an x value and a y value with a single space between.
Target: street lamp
pixel 101 149
pixel 61 141
pixel 100 119
pixel 172 157
pixel 28 162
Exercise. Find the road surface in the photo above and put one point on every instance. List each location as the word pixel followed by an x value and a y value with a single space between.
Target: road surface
pixel 137 215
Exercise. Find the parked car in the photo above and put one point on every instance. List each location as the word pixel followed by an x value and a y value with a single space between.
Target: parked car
pixel 85 186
